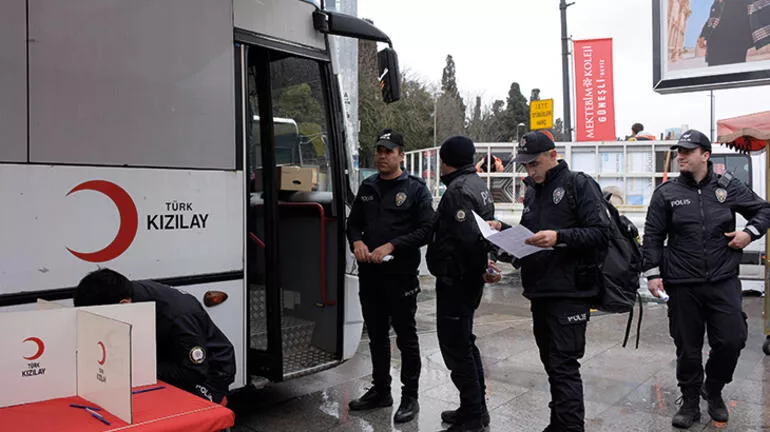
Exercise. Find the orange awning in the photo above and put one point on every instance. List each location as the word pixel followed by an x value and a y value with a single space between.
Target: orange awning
pixel 746 133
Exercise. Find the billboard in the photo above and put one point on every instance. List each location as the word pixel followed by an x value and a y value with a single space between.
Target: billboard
pixel 594 94
pixel 710 44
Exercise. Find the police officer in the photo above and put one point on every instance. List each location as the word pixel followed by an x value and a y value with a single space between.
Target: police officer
pixel 192 353
pixel 699 270
pixel 561 282
pixel 391 218
pixel 457 256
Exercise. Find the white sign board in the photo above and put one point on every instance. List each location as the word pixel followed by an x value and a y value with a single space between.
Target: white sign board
pixel 38 361
pixel 141 316
pixel 104 363
pixel 149 223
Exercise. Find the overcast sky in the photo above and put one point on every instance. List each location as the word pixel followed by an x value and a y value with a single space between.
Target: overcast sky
pixel 496 42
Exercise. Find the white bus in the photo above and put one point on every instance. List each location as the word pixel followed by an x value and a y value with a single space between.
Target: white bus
pixel 147 137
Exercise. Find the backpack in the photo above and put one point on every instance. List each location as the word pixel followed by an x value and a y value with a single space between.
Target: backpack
pixel 620 264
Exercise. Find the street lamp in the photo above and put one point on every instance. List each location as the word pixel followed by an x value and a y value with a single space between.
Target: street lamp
pixel 520 125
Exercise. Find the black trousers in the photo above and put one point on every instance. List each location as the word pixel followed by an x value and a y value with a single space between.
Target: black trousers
pixel 716 308
pixel 454 322
pixel 386 301
pixel 559 326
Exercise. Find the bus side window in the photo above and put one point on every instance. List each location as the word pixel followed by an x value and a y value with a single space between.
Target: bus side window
pixel 301 118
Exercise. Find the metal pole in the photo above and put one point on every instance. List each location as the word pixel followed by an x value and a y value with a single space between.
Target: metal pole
pixel 711 99
pixel 766 315
pixel 563 5
pixel 435 117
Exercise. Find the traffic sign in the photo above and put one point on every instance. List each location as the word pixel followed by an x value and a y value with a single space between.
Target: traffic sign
pixel 541 114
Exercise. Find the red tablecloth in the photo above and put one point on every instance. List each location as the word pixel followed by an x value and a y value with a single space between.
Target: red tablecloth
pixel 168 409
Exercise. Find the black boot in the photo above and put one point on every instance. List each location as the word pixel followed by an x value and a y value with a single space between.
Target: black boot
pixel 456 416
pixel 373 398
pixel 713 395
pixel 466 426
pixel 689 412
pixel 552 425
pixel 407 410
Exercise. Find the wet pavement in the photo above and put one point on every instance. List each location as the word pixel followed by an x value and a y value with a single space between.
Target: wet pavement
pixel 626 389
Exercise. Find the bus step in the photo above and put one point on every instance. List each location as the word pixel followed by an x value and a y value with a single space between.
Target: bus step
pixel 306 362
pixel 296 334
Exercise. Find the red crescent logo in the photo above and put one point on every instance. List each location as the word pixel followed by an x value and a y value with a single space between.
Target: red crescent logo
pixel 129 221
pixel 40 348
pixel 104 353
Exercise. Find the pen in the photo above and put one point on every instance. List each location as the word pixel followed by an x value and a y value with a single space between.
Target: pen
pixel 148 389
pixel 98 416
pixel 85 406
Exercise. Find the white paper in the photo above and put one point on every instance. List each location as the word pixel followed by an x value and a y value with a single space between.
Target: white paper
pixel 510 240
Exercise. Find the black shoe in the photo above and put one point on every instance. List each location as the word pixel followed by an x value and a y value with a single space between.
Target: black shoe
pixel 373 398
pixel 455 416
pixel 688 413
pixel 717 408
pixel 466 426
pixel 407 410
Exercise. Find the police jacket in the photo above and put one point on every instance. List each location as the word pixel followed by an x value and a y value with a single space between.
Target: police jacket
pixel 579 219
pixel 457 250
pixel 192 353
pixel 695 217
pixel 398 211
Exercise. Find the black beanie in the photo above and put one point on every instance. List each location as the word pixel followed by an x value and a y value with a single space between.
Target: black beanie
pixel 457 151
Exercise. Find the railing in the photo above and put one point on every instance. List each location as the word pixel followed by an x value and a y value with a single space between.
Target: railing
pixel 629 169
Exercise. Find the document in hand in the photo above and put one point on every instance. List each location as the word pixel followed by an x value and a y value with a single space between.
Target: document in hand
pixel 510 240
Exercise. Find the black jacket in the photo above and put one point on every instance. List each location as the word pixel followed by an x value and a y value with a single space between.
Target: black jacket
pixel 457 250
pixel 727 32
pixel 570 268
pixel 695 218
pixel 192 353
pixel 398 211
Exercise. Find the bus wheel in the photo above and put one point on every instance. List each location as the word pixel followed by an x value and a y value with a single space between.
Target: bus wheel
pixel 766 346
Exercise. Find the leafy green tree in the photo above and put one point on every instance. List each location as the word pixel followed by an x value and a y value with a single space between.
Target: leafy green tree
pixel 298 103
pixel 412 116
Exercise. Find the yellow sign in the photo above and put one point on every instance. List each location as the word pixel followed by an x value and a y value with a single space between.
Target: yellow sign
pixel 541 114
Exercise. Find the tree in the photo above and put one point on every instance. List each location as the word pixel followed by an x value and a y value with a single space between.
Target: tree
pixel 450 108
pixel 559 134
pixel 476 123
pixel 297 102
pixel 516 107
pixel 448 79
pixel 370 102
pixel 412 115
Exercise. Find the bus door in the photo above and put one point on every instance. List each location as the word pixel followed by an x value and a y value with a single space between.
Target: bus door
pixel 295 256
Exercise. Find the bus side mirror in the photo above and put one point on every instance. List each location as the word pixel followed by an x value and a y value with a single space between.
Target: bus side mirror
pixel 390 76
